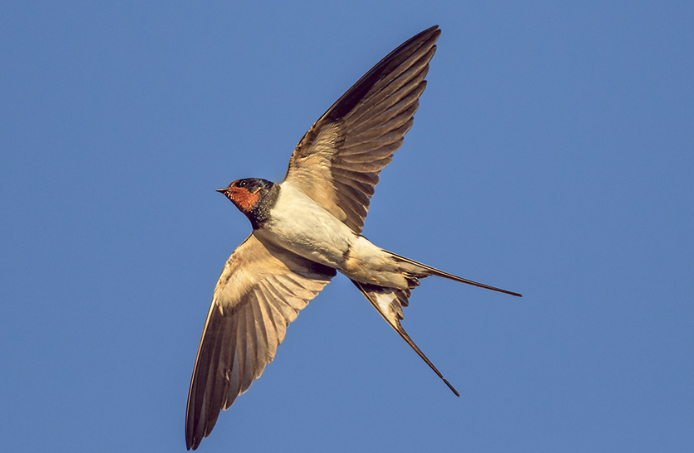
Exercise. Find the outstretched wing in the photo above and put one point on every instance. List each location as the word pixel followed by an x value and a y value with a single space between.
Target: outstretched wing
pixel 261 290
pixel 389 302
pixel 338 160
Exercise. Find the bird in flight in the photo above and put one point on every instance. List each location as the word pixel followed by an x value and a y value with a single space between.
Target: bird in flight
pixel 307 228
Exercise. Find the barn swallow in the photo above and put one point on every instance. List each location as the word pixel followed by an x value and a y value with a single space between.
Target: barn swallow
pixel 307 228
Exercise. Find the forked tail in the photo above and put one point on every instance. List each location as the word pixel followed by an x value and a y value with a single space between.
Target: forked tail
pixel 389 301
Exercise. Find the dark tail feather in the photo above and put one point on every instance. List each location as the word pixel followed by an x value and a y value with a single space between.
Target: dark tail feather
pixel 392 296
pixel 428 270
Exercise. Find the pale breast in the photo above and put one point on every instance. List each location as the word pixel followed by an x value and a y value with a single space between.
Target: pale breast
pixel 298 224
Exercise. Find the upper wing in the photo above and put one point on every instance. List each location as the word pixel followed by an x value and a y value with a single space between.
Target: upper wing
pixel 389 302
pixel 261 290
pixel 338 160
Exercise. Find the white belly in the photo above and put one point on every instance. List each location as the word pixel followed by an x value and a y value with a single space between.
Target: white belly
pixel 298 224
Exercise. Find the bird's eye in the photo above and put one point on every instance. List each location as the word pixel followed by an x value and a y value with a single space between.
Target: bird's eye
pixel 242 184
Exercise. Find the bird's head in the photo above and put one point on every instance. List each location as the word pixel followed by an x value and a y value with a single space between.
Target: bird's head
pixel 247 194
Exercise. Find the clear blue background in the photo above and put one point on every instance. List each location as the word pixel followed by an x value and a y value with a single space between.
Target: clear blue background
pixel 552 154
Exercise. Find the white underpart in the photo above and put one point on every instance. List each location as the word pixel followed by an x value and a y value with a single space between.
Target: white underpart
pixel 368 263
pixel 298 224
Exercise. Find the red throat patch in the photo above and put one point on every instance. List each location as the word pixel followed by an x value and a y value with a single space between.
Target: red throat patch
pixel 243 199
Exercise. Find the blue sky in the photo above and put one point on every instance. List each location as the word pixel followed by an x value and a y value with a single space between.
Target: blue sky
pixel 552 155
